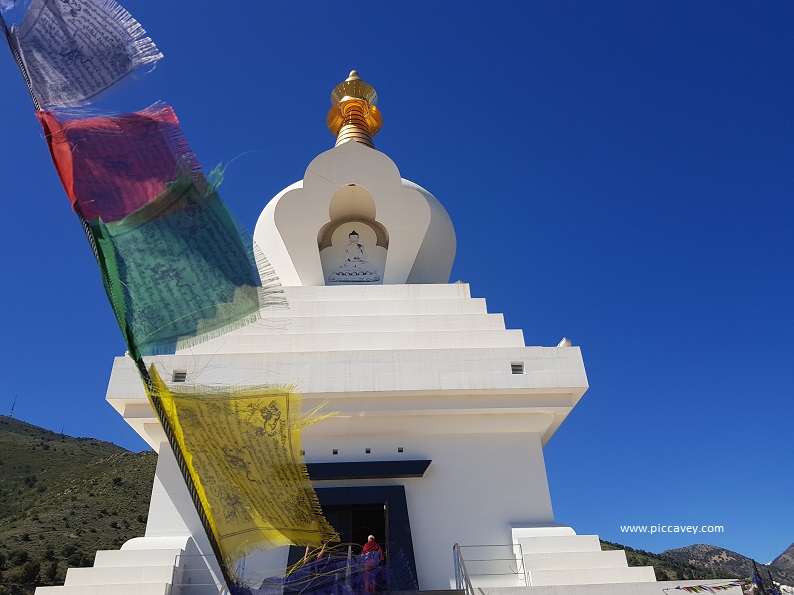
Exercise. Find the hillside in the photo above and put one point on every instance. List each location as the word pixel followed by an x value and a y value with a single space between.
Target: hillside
pixel 783 565
pixel 61 499
pixel 722 562
pixel 666 568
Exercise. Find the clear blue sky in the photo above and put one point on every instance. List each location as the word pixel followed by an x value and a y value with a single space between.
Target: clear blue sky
pixel 620 173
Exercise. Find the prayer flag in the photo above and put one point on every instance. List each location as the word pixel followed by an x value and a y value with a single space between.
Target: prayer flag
pixel 112 166
pixel 242 450
pixel 72 50
pixel 708 588
pixel 180 270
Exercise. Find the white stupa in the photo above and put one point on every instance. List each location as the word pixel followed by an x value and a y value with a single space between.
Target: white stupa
pixel 443 413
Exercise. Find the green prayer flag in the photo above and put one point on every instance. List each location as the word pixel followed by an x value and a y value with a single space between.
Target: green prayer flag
pixel 180 270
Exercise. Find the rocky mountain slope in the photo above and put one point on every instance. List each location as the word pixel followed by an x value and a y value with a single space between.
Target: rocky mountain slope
pixel 725 563
pixel 63 498
pixel 783 565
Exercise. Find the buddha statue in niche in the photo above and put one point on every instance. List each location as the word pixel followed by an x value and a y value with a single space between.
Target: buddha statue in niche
pixel 354 268
pixel 354 258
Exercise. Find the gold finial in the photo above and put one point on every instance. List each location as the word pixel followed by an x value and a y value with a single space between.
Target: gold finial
pixel 354 115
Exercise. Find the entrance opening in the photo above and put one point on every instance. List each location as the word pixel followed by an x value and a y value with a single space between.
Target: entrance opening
pixel 354 523
pixel 370 506
pixel 357 512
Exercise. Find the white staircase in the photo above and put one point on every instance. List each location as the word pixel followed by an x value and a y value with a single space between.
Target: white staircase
pixel 553 560
pixel 143 566
pixel 563 558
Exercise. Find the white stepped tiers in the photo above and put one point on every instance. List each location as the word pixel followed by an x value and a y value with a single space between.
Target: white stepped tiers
pixel 414 372
pixel 143 566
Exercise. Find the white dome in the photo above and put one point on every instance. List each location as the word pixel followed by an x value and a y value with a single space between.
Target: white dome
pixel 402 232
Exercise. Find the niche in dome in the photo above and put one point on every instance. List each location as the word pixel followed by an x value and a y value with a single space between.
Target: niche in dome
pixel 353 245
pixel 353 255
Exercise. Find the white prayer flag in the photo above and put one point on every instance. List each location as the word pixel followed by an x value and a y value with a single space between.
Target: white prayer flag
pixel 72 50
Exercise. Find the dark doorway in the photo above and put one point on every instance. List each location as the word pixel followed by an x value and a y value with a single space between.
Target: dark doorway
pixel 358 511
pixel 355 522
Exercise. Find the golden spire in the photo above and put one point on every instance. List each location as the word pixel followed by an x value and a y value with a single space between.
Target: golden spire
pixel 354 115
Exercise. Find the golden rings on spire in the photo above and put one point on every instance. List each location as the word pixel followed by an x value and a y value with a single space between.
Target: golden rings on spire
pixel 354 115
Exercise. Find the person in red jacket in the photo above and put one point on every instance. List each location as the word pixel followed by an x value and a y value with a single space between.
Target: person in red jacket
pixel 373 557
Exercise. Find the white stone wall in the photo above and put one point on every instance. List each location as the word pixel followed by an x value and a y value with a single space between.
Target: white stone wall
pixel 421 367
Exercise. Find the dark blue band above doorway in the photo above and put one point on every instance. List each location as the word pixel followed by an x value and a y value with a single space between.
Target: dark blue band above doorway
pixel 367 469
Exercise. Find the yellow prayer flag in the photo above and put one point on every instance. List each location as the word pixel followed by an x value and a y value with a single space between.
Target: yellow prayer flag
pixel 242 449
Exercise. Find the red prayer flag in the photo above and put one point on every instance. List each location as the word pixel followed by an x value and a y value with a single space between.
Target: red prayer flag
pixel 112 166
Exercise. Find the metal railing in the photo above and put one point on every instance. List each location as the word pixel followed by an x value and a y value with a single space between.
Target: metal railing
pixel 197 574
pixel 462 581
pixel 490 565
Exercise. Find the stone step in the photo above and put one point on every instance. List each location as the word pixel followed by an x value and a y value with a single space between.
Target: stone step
pixel 424 291
pixel 575 560
pixel 119 558
pixel 287 325
pixel 592 576
pixel 643 588
pixel 390 307
pixel 559 543
pixel 362 341
pixel 119 575
pixel 140 589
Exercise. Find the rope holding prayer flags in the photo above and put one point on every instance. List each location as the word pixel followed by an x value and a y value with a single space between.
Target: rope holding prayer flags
pixel 71 50
pixel 18 59
pixel 177 269
pixel 180 459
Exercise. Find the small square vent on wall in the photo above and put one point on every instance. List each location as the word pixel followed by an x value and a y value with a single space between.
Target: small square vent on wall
pixel 179 376
pixel 517 367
